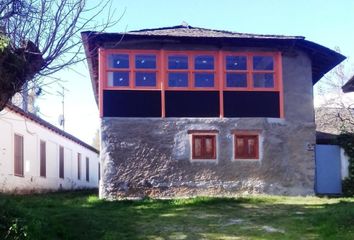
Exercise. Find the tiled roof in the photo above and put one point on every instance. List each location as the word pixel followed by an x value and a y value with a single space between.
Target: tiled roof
pixel 189 31
pixel 49 126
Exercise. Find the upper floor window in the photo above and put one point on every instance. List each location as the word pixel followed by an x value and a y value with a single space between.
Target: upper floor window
pixel 250 71
pixel 132 70
pixel 191 71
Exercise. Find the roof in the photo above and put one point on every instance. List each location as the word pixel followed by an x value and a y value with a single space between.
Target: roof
pixel 349 86
pixel 323 59
pixel 49 126
pixel 326 138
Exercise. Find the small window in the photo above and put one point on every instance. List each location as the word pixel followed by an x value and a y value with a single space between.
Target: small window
pixel 42 158
pixel 87 169
pixel 145 62
pixel 263 80
pixel 246 146
pixel 178 79
pixel 236 80
pixel 145 79
pixel 204 62
pixel 61 162
pixel 203 146
pixel 18 156
pixel 178 62
pixel 118 61
pixel 236 63
pixel 263 63
pixel 118 79
pixel 78 166
pixel 204 80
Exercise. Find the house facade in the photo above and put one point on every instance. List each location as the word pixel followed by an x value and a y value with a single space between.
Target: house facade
pixel 35 156
pixel 190 111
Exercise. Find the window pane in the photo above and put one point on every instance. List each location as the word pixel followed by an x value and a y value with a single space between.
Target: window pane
pixel 118 61
pixel 204 79
pixel 251 147
pixel 236 63
pixel 204 62
pixel 197 146
pixel 209 146
pixel 118 79
pixel 145 79
pixel 178 62
pixel 240 145
pixel 178 79
pixel 145 61
pixel 263 63
pixel 236 80
pixel 263 80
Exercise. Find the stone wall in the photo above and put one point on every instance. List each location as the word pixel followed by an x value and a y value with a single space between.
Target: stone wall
pixel 152 157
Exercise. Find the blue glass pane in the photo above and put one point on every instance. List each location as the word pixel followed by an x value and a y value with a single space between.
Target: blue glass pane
pixel 118 61
pixel 118 79
pixel 178 79
pixel 145 61
pixel 177 62
pixel 204 79
pixel 236 80
pixel 263 80
pixel 145 79
pixel 204 62
pixel 236 63
pixel 263 63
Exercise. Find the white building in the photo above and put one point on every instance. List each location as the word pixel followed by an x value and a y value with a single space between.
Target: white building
pixel 37 156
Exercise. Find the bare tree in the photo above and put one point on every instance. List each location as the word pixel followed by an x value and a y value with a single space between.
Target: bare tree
pixel 41 37
pixel 336 111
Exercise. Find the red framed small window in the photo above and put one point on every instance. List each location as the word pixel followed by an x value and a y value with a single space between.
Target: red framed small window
pixel 203 146
pixel 246 146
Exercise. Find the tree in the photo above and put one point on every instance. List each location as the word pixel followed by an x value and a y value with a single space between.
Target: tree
pixel 41 37
pixel 335 112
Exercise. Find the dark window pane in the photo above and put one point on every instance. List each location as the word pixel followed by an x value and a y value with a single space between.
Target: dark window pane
pixel 118 79
pixel 145 61
pixel 178 79
pixel 145 79
pixel 236 63
pixel 118 61
pixel 204 62
pixel 177 62
pixel 263 63
pixel 204 79
pixel 236 80
pixel 263 80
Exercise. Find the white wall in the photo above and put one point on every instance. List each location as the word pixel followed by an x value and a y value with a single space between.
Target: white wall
pixel 12 123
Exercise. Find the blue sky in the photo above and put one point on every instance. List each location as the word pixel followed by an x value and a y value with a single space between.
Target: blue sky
pixel 327 22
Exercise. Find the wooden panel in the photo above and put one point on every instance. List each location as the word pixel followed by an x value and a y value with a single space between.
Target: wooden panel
pixel 87 169
pixel 43 159
pixel 61 162
pixel 79 166
pixel 120 103
pixel 18 155
pixel 192 104
pixel 251 104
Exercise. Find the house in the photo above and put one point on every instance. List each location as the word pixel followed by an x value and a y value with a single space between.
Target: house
pixel 191 111
pixel 36 156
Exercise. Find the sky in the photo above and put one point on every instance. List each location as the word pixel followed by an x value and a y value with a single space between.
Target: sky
pixel 327 22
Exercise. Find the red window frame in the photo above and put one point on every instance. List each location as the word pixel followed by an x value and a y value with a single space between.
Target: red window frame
pixel 132 69
pixel 162 73
pixel 246 154
pixel 204 155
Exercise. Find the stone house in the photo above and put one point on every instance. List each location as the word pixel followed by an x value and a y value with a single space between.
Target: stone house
pixel 190 111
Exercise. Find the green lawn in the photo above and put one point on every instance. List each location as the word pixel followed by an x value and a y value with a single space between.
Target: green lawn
pixel 81 215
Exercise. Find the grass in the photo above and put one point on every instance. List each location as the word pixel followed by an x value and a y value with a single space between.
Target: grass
pixel 81 215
